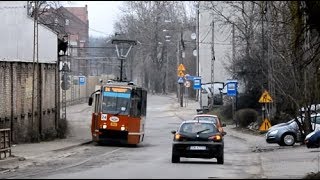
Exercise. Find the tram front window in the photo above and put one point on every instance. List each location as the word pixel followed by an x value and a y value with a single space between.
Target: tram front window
pixel 116 105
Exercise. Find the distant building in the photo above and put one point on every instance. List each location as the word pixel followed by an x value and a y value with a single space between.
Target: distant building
pixel 73 23
pixel 205 52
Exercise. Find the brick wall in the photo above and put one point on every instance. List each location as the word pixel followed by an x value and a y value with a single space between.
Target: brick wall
pixel 16 100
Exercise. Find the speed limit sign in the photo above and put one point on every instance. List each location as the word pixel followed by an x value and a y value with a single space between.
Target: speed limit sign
pixel 187 84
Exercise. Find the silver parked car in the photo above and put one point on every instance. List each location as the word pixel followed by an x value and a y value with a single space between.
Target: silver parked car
pixel 287 134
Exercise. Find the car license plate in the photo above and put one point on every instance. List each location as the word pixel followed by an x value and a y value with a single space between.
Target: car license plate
pixel 197 148
pixel 113 124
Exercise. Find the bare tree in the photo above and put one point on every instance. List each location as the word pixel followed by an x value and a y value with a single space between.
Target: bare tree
pixel 281 47
pixel 145 21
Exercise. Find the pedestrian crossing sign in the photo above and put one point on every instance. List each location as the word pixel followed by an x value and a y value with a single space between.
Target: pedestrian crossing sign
pixel 265 125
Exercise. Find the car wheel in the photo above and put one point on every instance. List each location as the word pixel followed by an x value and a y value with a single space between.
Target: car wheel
pixel 220 159
pixel 175 158
pixel 288 140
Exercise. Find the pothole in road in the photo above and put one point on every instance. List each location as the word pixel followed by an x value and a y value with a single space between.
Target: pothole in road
pixel 267 149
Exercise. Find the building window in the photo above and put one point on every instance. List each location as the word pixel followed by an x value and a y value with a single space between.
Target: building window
pixel 67 22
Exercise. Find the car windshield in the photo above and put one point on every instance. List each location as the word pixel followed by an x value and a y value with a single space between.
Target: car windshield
pixel 116 103
pixel 198 128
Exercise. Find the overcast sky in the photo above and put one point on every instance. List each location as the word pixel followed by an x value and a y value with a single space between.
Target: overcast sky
pixel 102 15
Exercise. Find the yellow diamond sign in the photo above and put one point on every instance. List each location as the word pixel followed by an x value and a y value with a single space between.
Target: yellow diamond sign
pixel 265 97
pixel 180 73
pixel 181 67
pixel 265 125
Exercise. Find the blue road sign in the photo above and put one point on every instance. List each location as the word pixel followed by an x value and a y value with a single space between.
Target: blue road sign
pixel 189 78
pixel 196 82
pixel 82 80
pixel 232 87
pixel 180 80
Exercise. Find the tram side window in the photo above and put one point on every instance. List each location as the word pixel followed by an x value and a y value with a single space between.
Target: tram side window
pixel 136 104
pixel 144 103
pixel 97 103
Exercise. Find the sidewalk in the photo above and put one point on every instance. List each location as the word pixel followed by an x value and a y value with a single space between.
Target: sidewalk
pixel 79 133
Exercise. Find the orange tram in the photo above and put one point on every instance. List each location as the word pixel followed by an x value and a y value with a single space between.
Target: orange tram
pixel 119 113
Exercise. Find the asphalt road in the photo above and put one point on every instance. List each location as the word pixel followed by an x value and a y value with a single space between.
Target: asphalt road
pixel 244 159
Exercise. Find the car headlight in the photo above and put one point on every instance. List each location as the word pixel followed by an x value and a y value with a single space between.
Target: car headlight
pixel 273 132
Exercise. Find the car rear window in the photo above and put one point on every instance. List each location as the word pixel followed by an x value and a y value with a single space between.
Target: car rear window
pixel 196 127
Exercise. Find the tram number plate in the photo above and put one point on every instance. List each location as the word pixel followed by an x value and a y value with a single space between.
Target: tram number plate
pixel 113 124
pixel 197 148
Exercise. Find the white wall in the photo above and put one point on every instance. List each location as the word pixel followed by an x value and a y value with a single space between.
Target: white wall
pixel 16 35
pixel 221 49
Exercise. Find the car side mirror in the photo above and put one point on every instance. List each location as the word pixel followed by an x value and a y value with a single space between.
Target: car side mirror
pixel 223 125
pixel 173 132
pixel 90 101
pixel 224 133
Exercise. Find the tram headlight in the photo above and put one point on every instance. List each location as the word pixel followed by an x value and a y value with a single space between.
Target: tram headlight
pixel 122 128
pixel 104 126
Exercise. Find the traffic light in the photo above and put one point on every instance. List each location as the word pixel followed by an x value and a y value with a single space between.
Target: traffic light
pixel 65 82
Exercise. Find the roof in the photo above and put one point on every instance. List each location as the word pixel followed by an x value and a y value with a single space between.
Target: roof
pixel 196 121
pixel 205 115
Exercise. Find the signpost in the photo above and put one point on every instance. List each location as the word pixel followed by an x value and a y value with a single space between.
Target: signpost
pixel 197 83
pixel 232 87
pixel 265 98
pixel 181 70
pixel 82 80
pixel 232 90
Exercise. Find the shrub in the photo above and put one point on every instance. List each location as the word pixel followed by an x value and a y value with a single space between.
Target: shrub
pixel 226 111
pixel 49 134
pixel 246 116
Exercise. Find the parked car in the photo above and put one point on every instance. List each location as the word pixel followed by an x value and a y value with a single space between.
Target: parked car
pixel 197 139
pixel 287 134
pixel 312 140
pixel 210 117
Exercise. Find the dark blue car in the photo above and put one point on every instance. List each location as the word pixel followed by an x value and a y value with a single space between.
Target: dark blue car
pixel 312 140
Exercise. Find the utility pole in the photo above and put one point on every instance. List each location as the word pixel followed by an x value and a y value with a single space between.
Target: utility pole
pixel 271 89
pixel 234 102
pixel 212 62
pixel 35 60
pixel 180 57
pixel 197 45
pixel 167 68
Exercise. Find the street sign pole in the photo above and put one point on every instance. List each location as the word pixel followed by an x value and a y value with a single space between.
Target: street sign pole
pixel 181 95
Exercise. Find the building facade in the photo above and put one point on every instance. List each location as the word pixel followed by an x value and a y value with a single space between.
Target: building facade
pixel 28 85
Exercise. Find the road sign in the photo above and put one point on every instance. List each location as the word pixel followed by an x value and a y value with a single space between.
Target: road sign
pixel 232 87
pixel 197 83
pixel 181 67
pixel 82 80
pixel 187 84
pixel 188 77
pixel 265 97
pixel 180 80
pixel 180 73
pixel 265 125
